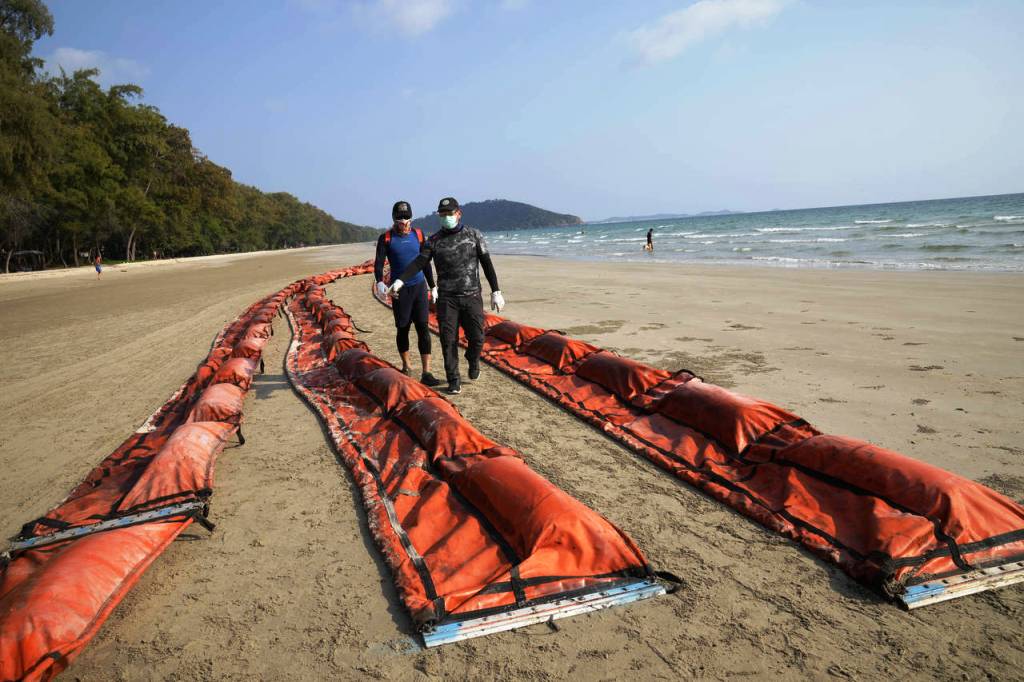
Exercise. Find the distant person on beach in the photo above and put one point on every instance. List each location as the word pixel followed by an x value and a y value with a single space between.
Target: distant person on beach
pixel 399 246
pixel 458 253
pixel 649 246
pixel 97 263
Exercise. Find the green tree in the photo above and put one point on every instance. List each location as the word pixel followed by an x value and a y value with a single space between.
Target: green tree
pixel 83 167
pixel 28 128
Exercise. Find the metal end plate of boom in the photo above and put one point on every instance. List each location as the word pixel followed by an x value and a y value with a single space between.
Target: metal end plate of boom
pixel 962 585
pixel 185 508
pixel 542 613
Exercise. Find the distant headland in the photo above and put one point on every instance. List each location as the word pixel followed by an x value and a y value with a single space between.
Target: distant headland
pixel 501 214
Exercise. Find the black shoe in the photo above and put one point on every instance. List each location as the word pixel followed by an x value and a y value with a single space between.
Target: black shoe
pixel 406 371
pixel 429 379
pixel 474 370
pixel 455 387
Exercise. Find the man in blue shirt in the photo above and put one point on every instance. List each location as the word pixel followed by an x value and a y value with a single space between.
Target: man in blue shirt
pixel 400 246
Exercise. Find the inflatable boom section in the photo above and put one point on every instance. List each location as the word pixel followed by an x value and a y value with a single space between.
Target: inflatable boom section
pixel 67 570
pixel 477 541
pixel 915 532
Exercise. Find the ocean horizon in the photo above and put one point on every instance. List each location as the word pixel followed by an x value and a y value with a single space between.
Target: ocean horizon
pixel 969 233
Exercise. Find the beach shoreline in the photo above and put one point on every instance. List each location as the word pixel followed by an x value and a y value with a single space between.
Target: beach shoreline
pixel 980 234
pixel 927 363
pixel 160 262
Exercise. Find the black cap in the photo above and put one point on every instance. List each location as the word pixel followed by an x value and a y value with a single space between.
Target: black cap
pixel 401 211
pixel 447 204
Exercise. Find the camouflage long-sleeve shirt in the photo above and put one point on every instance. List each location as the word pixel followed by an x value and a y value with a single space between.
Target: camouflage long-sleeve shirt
pixel 457 255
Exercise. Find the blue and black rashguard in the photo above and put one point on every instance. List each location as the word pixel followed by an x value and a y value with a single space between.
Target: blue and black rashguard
pixel 410 306
pixel 399 253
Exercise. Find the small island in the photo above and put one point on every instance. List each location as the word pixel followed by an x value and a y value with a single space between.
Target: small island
pixel 500 214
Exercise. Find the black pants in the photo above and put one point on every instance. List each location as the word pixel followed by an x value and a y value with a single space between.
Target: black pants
pixel 411 308
pixel 455 311
pixel 422 338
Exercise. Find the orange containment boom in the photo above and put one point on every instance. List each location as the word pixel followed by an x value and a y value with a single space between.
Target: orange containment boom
pixel 911 530
pixel 66 571
pixel 477 541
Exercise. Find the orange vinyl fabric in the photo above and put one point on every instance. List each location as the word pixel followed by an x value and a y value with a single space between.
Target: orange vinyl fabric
pixel 259 330
pixel 219 403
pixel 54 598
pixel 238 371
pixel 183 467
pixel 467 528
pixel 251 348
pixel 887 520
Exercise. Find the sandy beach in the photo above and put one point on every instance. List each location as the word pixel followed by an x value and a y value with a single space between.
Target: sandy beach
pixel 289 585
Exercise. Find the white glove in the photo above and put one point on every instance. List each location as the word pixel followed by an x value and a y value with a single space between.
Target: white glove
pixel 433 294
pixel 382 289
pixel 396 286
pixel 497 301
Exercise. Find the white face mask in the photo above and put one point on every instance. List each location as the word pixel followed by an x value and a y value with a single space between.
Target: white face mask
pixel 403 225
pixel 449 222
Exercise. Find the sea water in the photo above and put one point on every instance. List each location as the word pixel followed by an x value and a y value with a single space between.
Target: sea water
pixel 975 233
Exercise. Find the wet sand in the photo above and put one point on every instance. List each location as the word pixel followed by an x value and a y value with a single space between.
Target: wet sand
pixel 290 586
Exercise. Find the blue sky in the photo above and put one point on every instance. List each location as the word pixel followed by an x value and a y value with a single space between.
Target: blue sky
pixel 588 107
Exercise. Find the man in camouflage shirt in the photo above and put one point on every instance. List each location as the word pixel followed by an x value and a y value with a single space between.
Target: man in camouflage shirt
pixel 457 252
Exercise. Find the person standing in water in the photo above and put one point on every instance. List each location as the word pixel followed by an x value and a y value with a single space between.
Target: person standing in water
pixel 650 240
pixel 458 252
pixel 399 246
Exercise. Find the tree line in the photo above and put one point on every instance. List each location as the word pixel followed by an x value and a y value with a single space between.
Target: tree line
pixel 87 170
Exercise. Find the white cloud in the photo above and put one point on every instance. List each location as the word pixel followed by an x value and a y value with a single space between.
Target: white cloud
pixel 411 17
pixel 407 17
pixel 113 70
pixel 673 33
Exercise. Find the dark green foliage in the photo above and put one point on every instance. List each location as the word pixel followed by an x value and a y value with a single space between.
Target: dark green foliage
pixel 86 170
pixel 500 214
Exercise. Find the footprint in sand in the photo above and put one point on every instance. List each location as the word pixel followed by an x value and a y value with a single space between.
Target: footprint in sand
pixel 924 368
pixel 1008 484
pixel 915 343
pixel 921 428
pixel 739 327
pixel 602 327
pixel 920 401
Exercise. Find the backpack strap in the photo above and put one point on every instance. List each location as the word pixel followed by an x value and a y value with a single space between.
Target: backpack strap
pixel 419 236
